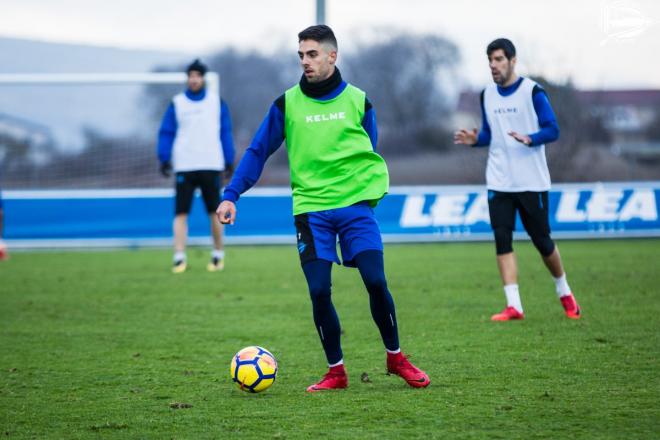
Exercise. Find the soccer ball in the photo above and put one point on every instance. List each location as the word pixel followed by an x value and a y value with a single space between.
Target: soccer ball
pixel 253 369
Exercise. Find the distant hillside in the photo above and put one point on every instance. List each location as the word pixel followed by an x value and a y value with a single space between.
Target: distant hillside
pixel 65 110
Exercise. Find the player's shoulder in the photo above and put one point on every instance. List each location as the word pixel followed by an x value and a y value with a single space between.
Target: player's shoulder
pixel 213 98
pixel 293 89
pixel 534 87
pixel 529 80
pixel 178 101
pixel 355 94
pixel 355 88
pixel 355 91
pixel 489 90
pixel 358 96
pixel 280 103
pixel 530 85
pixel 538 88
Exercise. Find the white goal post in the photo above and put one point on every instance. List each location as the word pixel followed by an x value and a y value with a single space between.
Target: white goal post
pixel 61 181
pixel 37 137
pixel 212 79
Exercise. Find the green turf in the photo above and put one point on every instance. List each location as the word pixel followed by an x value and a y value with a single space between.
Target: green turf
pixel 100 344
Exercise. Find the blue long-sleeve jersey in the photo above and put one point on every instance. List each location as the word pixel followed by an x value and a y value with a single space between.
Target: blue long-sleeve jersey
pixel 269 138
pixel 168 129
pixel 549 129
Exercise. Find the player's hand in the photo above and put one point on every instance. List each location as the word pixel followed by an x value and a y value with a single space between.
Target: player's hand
pixel 166 168
pixel 226 212
pixel 522 138
pixel 466 137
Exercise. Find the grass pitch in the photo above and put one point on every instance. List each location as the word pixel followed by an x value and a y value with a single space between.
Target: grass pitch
pixel 112 345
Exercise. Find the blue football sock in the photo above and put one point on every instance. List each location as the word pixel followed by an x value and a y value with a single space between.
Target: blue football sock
pixel 318 274
pixel 372 269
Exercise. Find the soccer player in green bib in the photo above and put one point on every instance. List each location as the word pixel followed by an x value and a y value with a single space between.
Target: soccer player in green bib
pixel 337 178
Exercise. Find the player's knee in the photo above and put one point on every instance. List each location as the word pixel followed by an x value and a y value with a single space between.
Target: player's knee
pixel 321 301
pixel 544 244
pixel 503 240
pixel 375 283
pixel 319 291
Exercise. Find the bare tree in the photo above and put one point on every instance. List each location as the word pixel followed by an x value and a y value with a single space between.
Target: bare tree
pixel 403 77
pixel 577 127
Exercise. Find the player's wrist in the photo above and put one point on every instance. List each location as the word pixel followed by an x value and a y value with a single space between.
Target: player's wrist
pixel 230 196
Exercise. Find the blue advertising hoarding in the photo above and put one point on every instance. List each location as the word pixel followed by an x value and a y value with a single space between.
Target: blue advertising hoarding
pixel 418 213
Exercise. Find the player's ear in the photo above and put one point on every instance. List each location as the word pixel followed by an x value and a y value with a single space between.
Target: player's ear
pixel 332 56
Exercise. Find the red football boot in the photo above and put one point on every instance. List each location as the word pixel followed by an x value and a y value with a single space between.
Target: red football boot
pixel 334 379
pixel 508 314
pixel 4 254
pixel 400 365
pixel 571 306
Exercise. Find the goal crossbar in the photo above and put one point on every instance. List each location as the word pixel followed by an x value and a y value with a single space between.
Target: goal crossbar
pixel 212 79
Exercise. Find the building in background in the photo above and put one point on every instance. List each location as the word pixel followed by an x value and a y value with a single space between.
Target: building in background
pixel 630 119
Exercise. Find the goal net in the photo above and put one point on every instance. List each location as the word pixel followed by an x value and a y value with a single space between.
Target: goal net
pixel 84 131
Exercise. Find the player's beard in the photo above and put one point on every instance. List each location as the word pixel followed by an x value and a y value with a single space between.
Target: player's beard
pixel 503 76
pixel 197 87
pixel 320 75
pixel 315 78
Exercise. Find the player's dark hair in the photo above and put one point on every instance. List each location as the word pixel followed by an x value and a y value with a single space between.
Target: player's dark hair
pixel 197 66
pixel 319 33
pixel 502 43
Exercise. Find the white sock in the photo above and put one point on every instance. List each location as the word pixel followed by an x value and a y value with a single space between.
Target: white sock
pixel 179 256
pixel 219 254
pixel 513 297
pixel 561 286
pixel 398 350
pixel 341 362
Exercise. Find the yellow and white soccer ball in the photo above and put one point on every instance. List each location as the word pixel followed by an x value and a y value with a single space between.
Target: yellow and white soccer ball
pixel 253 369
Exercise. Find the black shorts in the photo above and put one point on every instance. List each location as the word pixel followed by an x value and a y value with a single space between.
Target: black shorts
pixel 532 207
pixel 208 181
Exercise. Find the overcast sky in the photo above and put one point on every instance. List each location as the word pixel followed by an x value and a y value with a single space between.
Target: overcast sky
pixel 598 43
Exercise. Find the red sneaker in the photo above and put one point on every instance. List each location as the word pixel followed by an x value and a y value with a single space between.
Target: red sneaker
pixel 571 306
pixel 400 365
pixel 508 314
pixel 334 379
pixel 4 255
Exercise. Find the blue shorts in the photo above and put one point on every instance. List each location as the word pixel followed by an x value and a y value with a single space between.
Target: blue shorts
pixel 355 226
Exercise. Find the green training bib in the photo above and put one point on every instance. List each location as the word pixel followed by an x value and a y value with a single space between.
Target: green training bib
pixel 332 162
